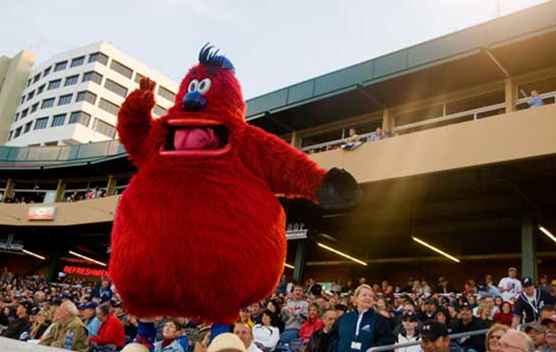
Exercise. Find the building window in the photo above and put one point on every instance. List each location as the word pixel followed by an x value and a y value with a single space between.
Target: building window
pixel 165 93
pixel 80 117
pixel 78 61
pixel 159 110
pixel 35 107
pixel 65 99
pixel 41 123
pixel 41 89
pixel 22 99
pixel 115 87
pixel 16 116
pixel 37 77
pixel 47 103
pixel 58 120
pixel 30 95
pixel 98 57
pixel 86 96
pixel 108 106
pixel 17 132
pixel 71 80
pixel 92 76
pixel 11 135
pixel 60 66
pixel 138 77
pixel 24 113
pixel 104 128
pixel 28 127
pixel 121 69
pixel 29 82
pixel 54 84
pixel 47 71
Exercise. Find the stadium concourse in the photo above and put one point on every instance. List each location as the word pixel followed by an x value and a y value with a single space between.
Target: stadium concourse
pixel 453 144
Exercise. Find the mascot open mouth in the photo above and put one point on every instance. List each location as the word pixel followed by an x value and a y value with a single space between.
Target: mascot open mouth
pixel 195 137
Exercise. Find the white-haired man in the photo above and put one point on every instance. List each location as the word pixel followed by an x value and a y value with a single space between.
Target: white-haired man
pixel 67 330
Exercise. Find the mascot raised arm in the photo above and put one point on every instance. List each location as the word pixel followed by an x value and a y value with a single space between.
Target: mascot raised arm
pixel 199 231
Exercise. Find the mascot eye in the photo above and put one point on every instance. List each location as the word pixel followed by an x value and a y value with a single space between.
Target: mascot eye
pixel 204 85
pixel 193 85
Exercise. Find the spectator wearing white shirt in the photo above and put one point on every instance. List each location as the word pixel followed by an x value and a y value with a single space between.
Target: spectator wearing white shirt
pixel 265 335
pixel 510 286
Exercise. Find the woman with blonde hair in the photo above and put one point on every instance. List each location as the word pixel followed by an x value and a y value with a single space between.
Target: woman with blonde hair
pixel 493 337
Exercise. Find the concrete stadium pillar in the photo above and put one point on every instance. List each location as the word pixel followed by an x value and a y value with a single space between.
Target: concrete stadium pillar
pixel 388 122
pixel 111 186
pixel 299 264
pixel 60 188
pixel 54 266
pixel 295 140
pixel 510 94
pixel 528 248
pixel 10 185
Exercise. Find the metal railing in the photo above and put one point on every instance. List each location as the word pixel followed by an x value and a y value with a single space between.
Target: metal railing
pixel 472 114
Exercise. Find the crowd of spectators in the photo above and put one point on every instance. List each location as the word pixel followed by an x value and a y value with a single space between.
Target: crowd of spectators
pixel 88 316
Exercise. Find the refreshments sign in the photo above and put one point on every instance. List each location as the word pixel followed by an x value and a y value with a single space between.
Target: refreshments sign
pixel 44 213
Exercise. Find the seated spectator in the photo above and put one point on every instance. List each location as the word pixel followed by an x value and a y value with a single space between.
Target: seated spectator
pixel 493 337
pixel 550 334
pixel 245 318
pixel 265 335
pixel 111 334
pixel 409 333
pixel 537 333
pixel 324 340
pixel 39 325
pixel 170 342
pixel 293 315
pixel 505 316
pixel 311 325
pixel 245 334
pixel 434 337
pixel 88 315
pixel 466 323
pixel 535 100
pixel 516 341
pixel 67 330
pixel 353 141
pixel 377 135
pixel 21 323
pixel 274 307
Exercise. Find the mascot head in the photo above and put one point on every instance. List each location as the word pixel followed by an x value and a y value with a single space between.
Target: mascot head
pixel 207 107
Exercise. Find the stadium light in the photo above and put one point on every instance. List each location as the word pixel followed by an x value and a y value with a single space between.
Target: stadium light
pixel 86 258
pixel 429 246
pixel 33 254
pixel 547 233
pixel 358 261
pixel 289 266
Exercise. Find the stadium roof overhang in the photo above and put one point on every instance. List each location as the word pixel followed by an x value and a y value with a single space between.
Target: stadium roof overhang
pixel 508 46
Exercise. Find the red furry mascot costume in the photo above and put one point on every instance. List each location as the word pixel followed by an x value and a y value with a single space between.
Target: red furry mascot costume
pixel 199 231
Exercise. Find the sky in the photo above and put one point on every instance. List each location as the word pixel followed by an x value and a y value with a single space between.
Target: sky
pixel 272 44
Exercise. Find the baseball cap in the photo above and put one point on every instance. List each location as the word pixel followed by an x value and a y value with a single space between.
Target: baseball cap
pixel 432 330
pixel 527 282
pixel 512 269
pixel 88 305
pixel 226 342
pixel 409 316
pixel 549 320
pixel 535 326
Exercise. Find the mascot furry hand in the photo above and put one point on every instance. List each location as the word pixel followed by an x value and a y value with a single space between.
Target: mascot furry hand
pixel 199 231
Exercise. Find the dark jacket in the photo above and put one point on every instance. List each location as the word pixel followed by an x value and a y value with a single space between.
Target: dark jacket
pixel 374 330
pixel 322 342
pixel 17 327
pixel 476 342
pixel 530 312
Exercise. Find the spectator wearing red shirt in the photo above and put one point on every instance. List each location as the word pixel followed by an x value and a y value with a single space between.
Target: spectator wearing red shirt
pixel 505 315
pixel 311 325
pixel 111 331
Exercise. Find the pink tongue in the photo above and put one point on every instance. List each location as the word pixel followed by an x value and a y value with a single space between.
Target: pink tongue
pixel 196 138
